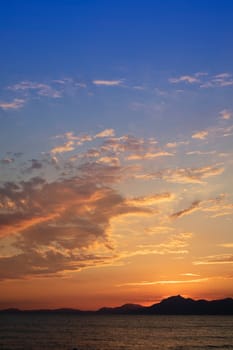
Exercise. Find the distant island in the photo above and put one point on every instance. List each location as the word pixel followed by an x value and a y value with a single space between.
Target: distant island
pixel 174 305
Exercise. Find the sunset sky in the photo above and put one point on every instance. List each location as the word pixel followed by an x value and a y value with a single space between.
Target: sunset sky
pixel 116 151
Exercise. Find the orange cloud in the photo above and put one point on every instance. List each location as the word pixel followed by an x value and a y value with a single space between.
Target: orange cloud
pixel 201 135
pixel 106 133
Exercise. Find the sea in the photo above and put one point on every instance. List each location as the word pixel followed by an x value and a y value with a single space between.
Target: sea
pixel 114 332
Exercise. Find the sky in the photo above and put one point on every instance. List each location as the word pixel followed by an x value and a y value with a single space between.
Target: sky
pixel 116 152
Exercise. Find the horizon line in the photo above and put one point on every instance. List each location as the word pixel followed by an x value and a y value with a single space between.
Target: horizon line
pixel 64 308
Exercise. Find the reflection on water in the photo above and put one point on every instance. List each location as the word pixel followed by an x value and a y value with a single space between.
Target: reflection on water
pixel 66 332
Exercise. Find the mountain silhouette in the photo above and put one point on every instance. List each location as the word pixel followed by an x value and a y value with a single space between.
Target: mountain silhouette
pixel 126 308
pixel 174 305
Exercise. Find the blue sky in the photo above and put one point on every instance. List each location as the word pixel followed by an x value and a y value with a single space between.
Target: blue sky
pixel 124 105
pixel 51 38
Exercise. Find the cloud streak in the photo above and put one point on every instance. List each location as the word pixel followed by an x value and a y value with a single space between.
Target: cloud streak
pixel 40 88
pixel 201 135
pixel 215 260
pixel 163 282
pixel 107 82
pixel 184 175
pixel 205 80
pixel 190 79
pixel 17 103
pixel 213 207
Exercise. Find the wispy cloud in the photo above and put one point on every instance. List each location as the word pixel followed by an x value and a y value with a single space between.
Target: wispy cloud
pixel 154 230
pixel 190 79
pixel 40 88
pixel 205 80
pixel 107 82
pixel 184 175
pixel 176 144
pixel 215 260
pixel 149 155
pixel 109 160
pixel 219 80
pixel 106 133
pixel 175 244
pixel 226 245
pixel 213 207
pixel 66 147
pixel 164 282
pixel 54 89
pixel 17 103
pixel 226 114
pixel 152 200
pixel 200 135
pixel 199 153
pixel 193 207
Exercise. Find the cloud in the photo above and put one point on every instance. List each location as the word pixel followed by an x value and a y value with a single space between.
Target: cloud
pixel 149 155
pixel 151 200
pixel 124 144
pixel 114 161
pixel 91 153
pixel 133 148
pixel 6 161
pixel 190 79
pixel 226 245
pixel 226 131
pixel 50 263
pixel 17 103
pixel 200 152
pixel 73 139
pixel 219 80
pixel 175 244
pixel 176 144
pixel 184 175
pixel 105 133
pixel 215 260
pixel 226 114
pixel 102 173
pixel 217 207
pixel 66 147
pixel 107 82
pixel 195 175
pixel 213 207
pixel 62 225
pixel 35 164
pixel 164 282
pixel 158 230
pixel 201 135
pixel 205 80
pixel 216 131
pixel 193 207
pixel 40 88
pixel 70 83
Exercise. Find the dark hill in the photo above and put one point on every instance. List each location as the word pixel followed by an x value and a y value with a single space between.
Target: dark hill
pixel 124 309
pixel 175 305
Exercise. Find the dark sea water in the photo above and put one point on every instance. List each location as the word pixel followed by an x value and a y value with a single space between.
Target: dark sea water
pixel 66 332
